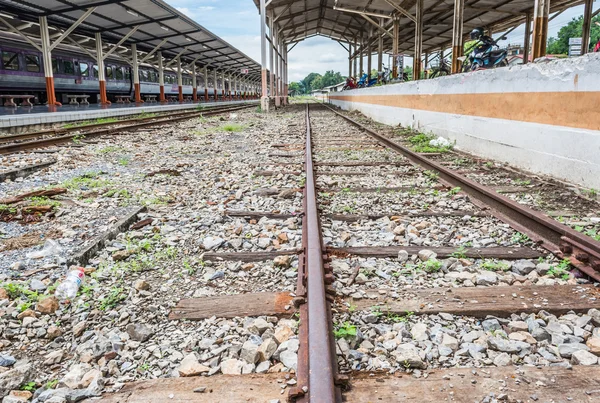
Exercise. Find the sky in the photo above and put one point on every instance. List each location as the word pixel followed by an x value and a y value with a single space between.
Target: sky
pixel 238 22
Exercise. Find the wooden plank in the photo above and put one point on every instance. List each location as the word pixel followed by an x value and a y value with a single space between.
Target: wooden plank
pixel 351 217
pixel 252 388
pixel 360 164
pixel 467 385
pixel 260 214
pixel 24 171
pixel 442 252
pixel 275 173
pixel 231 306
pixel 381 189
pixel 248 256
pixel 499 301
pixel 83 255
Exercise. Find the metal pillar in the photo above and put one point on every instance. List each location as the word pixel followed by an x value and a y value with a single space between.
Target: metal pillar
pixel 102 71
pixel 223 86
pixel 587 24
pixel 418 41
pixel 540 28
pixel 457 35
pixel 179 80
pixel 285 74
pixel 271 57
pixel 136 74
pixel 194 84
pixel 349 59
pixel 369 54
pixel 205 83
pixel 360 60
pixel 215 85
pixel 380 47
pixel 355 64
pixel 161 79
pixel 396 32
pixel 277 72
pixel 264 102
pixel 47 57
pixel 527 39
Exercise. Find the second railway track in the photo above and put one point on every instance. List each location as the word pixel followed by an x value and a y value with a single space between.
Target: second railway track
pixel 22 142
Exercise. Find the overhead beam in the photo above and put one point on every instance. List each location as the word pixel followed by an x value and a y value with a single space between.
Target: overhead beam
pixel 402 10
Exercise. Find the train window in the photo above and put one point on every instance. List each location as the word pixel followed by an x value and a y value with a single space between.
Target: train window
pixel 54 65
pixel 84 68
pixel 95 71
pixel 119 73
pixel 68 67
pixel 143 75
pixel 33 63
pixel 109 73
pixel 10 60
pixel 127 74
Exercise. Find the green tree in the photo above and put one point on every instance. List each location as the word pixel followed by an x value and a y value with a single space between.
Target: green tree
pixel 306 83
pixel 316 83
pixel 295 89
pixel 331 78
pixel 574 29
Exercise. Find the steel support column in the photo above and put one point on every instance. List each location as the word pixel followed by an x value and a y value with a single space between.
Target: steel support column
pixel 540 28
pixel 418 41
pixel 194 84
pixel 380 47
pixel 161 79
pixel 223 86
pixel 271 57
pixel 527 39
pixel 369 54
pixel 102 71
pixel 215 85
pixel 285 74
pixel 349 59
pixel 179 80
pixel 396 31
pixel 205 83
pixel 355 61
pixel 136 74
pixel 360 60
pixel 47 58
pixel 457 35
pixel 587 24
pixel 264 102
pixel 277 71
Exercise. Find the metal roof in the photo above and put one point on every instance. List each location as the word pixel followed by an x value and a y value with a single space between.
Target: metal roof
pixel 156 21
pixel 341 19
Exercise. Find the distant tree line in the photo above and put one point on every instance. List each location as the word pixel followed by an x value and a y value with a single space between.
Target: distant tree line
pixel 560 44
pixel 315 81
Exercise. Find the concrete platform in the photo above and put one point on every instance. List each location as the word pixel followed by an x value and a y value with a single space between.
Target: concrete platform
pixel 11 117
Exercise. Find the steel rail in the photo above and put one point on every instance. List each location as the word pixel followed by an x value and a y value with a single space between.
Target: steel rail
pixel 559 239
pixel 63 131
pixel 16 147
pixel 320 368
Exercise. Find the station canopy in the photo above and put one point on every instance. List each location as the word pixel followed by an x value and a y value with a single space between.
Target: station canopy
pixel 351 20
pixel 157 22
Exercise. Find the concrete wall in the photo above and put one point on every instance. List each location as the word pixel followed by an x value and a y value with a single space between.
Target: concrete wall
pixel 544 117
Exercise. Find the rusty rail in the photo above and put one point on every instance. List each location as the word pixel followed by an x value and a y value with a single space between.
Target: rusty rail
pixel 65 130
pixel 149 122
pixel 559 239
pixel 317 367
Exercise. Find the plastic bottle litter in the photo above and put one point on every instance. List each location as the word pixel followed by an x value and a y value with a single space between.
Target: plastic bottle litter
pixel 68 288
pixel 51 248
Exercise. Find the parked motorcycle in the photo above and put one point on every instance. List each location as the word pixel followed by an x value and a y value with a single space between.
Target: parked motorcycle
pixel 486 54
pixel 384 76
pixel 350 84
pixel 366 81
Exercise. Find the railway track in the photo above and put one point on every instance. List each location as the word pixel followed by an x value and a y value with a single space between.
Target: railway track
pixel 411 284
pixel 440 279
pixel 22 142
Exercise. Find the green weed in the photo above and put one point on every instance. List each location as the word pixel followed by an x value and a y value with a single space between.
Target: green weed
pixel 493 265
pixel 112 299
pixel 344 330
pixel 460 253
